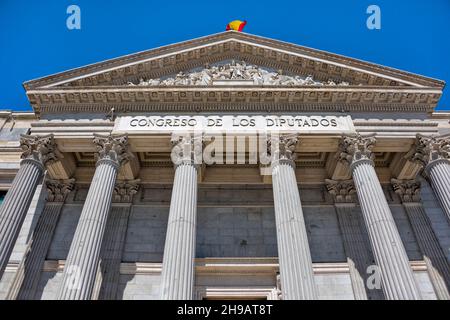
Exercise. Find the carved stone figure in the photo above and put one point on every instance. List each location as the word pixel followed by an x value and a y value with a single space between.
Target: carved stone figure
pixel 235 71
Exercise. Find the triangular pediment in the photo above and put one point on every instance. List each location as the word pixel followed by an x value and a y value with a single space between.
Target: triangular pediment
pixel 280 57
pixel 233 71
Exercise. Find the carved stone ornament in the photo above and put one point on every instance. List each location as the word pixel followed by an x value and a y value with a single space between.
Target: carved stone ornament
pixel 233 70
pixel 114 148
pixel 57 190
pixel 282 147
pixel 356 148
pixel 343 191
pixel 124 190
pixel 40 148
pixel 429 149
pixel 407 190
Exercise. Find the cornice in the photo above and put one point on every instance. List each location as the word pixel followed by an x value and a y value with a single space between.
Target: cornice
pixel 233 98
pixel 270 264
pixel 444 115
pixel 18 115
pixel 396 123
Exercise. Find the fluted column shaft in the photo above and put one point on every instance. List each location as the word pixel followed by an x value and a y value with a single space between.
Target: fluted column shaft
pixel 433 154
pixel 396 274
pixel 15 206
pixel 82 262
pixel 437 264
pixel 178 268
pixel 38 151
pixel 439 173
pixel 297 278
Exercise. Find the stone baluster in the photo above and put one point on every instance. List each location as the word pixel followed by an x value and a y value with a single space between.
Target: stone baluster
pixel 435 259
pixel 296 272
pixel 358 255
pixel 397 278
pixel 433 153
pixel 178 268
pixel 83 259
pixel 38 152
pixel 27 277
pixel 114 239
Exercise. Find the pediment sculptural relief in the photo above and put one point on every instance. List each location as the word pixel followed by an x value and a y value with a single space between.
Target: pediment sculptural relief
pixel 239 71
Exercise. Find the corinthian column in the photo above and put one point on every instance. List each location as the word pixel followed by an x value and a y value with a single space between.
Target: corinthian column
pixel 178 268
pixel 38 151
pixel 82 262
pixel 433 153
pixel 296 272
pixel 437 264
pixel 358 255
pixel 114 240
pixel 30 269
pixel 397 278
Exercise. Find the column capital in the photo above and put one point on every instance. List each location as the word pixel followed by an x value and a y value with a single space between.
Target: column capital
pixel 408 190
pixel 429 150
pixel 41 149
pixel 356 148
pixel 59 189
pixel 124 190
pixel 282 147
pixel 113 148
pixel 186 149
pixel 343 191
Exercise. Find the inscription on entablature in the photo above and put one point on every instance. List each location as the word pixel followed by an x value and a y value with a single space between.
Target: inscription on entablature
pixel 228 123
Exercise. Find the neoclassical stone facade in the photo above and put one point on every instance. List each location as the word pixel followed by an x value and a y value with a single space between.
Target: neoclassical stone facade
pixel 229 166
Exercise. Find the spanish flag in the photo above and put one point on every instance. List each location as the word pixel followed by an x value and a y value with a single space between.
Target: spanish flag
pixel 237 25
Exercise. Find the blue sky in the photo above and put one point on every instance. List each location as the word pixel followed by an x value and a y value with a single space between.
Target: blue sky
pixel 35 42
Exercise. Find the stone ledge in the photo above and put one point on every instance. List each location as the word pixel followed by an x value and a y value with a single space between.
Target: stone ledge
pixel 217 265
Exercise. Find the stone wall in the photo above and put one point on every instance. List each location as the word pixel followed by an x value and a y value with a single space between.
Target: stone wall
pixel 146 234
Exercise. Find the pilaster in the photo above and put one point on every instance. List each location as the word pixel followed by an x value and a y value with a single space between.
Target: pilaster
pixel 358 254
pixel 437 264
pixel 30 270
pixel 114 239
